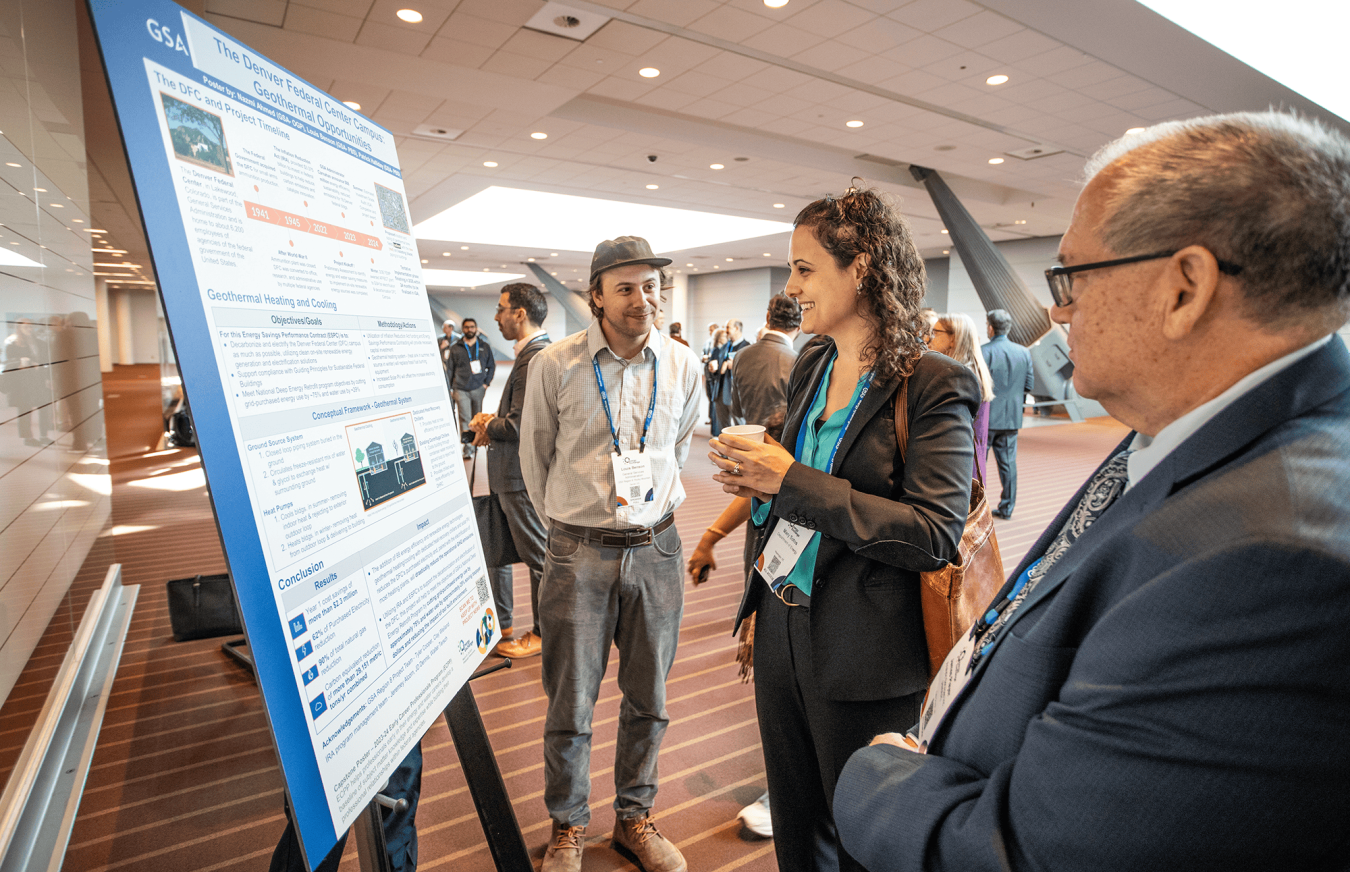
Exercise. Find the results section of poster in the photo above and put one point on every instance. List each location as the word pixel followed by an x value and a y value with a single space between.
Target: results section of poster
pixel 306 322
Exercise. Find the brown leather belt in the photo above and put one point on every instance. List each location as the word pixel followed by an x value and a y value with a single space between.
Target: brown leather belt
pixel 632 538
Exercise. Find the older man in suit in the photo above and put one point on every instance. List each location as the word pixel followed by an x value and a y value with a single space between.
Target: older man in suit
pixel 1163 683
pixel 760 373
pixel 520 315
pixel 1010 367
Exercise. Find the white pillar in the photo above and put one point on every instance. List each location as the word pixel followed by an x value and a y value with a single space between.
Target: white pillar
pixel 104 326
pixel 126 330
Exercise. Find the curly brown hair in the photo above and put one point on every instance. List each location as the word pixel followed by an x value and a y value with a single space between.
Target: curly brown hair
pixel 864 222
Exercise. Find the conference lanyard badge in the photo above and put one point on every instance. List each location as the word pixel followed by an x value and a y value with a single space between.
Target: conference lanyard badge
pixel 633 481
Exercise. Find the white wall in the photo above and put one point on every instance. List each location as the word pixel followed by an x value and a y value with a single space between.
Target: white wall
pixel 54 484
pixel 720 296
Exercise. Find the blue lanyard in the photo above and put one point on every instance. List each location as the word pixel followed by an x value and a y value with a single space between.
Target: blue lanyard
pixel 475 349
pixel 988 618
pixel 604 400
pixel 801 432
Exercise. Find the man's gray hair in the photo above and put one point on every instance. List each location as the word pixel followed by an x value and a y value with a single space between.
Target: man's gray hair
pixel 1268 191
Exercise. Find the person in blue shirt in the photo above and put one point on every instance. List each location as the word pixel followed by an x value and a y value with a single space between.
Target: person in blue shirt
pixel 472 365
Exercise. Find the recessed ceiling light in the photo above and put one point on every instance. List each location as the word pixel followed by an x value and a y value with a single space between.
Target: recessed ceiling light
pixel 412 16
pixel 1020 221
pixel 996 160
pixel 766 254
pixel 1133 131
pixel 854 123
pixel 688 264
pixel 996 80
pixel 715 266
pixel 40 190
pixel 538 134
pixel 653 187
pixel 716 166
pixel 649 72
pixel 945 251
pixel 489 163
pixel 779 205
pixel 775 4
pixel 13 165
pixel 730 259
pixel 464 248
pixel 445 254
pixel 352 104
pixel 944 230
pixel 553 254
pixel 425 261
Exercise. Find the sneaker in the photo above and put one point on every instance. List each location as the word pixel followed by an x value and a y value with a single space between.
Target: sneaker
pixel 638 837
pixel 564 849
pixel 528 645
pixel 755 818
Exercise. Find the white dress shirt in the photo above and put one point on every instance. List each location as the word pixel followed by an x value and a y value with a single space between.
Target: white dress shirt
pixel 565 440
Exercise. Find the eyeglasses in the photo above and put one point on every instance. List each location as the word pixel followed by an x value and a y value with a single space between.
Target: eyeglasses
pixel 1060 278
pixel 501 309
pixel 941 330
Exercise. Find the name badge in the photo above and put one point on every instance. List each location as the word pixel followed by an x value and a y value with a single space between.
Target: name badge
pixel 632 480
pixel 951 679
pixel 475 366
pixel 781 553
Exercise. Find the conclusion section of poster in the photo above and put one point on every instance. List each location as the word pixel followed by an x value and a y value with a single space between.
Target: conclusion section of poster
pixel 293 290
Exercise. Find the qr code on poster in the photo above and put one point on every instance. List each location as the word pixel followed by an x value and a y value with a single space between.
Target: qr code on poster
pixel 482 589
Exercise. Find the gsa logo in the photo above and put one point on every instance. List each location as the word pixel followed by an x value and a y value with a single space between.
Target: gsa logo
pixel 485 630
pixel 161 33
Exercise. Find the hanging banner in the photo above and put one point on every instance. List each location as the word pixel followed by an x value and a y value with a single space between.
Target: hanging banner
pixel 292 286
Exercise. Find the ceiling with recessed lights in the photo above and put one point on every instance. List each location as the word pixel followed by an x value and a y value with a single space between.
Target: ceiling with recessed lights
pixel 741 108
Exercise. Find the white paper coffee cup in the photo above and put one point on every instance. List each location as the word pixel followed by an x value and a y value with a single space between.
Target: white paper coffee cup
pixel 753 432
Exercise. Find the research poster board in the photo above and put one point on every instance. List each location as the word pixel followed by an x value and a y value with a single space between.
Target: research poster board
pixel 282 245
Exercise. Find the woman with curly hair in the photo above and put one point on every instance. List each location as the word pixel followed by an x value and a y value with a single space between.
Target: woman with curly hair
pixel 844 526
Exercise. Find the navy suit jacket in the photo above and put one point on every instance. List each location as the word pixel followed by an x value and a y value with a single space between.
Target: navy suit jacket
pixel 1010 367
pixel 1175 693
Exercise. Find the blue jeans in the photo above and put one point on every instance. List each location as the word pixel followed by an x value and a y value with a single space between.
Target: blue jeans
pixel 593 595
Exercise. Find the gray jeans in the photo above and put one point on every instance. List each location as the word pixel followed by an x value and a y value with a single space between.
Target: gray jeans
pixel 468 404
pixel 592 595
pixel 527 532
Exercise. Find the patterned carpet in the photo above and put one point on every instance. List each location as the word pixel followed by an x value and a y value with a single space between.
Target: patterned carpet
pixel 185 778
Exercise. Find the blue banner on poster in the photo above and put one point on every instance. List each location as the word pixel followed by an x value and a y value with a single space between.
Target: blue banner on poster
pixel 293 290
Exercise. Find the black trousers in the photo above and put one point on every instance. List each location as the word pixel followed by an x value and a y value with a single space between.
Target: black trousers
pixel 807 738
pixel 1004 443
pixel 400 832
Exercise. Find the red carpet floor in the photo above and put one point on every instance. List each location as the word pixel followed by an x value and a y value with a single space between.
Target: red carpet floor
pixel 185 778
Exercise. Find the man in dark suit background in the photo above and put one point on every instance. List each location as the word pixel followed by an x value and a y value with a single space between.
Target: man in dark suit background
pixel 726 357
pixel 1162 684
pixel 1010 366
pixel 520 313
pixel 760 372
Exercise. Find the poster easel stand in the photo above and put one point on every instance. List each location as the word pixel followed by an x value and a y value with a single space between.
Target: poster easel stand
pixel 500 827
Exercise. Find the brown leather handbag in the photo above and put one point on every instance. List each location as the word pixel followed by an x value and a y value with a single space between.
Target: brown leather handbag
pixel 955 595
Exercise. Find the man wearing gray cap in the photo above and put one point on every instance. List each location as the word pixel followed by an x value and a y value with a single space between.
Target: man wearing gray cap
pixel 609 416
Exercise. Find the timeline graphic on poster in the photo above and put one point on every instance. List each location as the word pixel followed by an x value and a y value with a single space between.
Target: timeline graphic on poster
pixel 303 325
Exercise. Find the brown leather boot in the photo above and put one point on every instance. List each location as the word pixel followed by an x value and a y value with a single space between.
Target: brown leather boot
pixel 638 837
pixel 564 849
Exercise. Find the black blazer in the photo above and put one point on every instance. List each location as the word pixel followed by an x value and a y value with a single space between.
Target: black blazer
pixel 1174 693
pixel 504 430
pixel 882 523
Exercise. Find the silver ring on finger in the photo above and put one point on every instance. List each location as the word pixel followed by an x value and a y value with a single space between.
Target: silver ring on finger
pixel 736 470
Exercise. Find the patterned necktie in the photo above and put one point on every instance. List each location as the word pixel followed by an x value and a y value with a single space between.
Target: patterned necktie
pixel 1106 486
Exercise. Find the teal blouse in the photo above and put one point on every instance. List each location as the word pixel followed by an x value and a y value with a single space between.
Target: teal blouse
pixel 815 453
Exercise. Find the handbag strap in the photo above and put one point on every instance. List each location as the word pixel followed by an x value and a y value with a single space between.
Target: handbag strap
pixel 902 417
